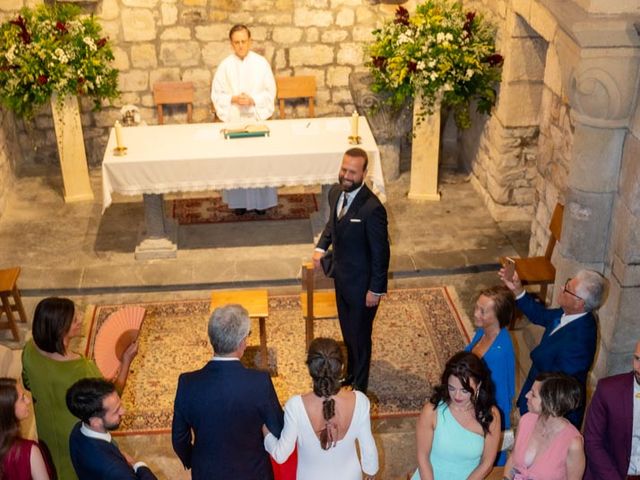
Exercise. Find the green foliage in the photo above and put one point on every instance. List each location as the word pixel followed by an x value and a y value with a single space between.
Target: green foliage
pixel 438 51
pixel 47 50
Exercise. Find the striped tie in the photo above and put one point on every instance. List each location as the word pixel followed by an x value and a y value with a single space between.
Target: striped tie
pixel 345 206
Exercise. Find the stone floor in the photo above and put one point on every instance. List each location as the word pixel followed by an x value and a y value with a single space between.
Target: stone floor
pixel 73 250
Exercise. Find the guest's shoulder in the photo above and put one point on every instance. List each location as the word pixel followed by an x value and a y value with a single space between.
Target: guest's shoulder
pixel 616 381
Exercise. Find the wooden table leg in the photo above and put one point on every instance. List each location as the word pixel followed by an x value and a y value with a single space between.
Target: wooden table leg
pixel 11 322
pixel 264 361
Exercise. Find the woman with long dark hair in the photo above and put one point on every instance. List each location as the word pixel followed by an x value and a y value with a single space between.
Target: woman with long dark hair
pixel 50 367
pixel 20 459
pixel 458 431
pixel 326 423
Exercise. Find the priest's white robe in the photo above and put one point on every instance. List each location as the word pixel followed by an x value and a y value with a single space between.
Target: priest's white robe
pixel 251 75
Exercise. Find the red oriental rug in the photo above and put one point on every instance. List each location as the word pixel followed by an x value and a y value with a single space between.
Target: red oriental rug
pixel 295 206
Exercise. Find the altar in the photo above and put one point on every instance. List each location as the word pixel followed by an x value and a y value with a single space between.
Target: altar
pixel 196 157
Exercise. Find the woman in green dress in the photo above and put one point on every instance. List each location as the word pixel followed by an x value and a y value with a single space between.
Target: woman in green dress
pixel 49 368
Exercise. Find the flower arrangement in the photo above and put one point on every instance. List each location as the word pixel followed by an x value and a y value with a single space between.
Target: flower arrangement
pixel 438 51
pixel 49 50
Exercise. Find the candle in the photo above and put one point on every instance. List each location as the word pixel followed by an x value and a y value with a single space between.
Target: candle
pixel 118 135
pixel 354 124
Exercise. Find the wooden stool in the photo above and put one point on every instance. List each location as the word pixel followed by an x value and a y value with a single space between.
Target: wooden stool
pixel 9 288
pixel 257 304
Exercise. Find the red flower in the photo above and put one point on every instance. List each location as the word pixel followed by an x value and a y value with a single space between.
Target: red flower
pixel 379 62
pixel 24 34
pixel 402 16
pixel 102 42
pixel 412 66
pixel 42 79
pixel 469 22
pixel 495 60
pixel 61 27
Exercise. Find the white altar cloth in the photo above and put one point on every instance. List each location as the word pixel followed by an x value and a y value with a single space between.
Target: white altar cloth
pixel 196 157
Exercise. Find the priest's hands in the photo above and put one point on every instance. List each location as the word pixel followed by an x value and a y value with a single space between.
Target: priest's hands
pixel 242 99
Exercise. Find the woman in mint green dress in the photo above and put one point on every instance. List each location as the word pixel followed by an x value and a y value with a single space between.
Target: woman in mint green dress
pixel 49 368
pixel 458 431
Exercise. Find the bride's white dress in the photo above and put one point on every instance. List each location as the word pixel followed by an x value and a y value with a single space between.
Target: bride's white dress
pixel 337 463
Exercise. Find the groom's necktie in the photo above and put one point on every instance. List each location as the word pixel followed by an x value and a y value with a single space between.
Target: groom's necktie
pixel 345 205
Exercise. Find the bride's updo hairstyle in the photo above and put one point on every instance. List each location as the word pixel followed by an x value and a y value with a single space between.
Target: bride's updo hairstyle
pixel 325 363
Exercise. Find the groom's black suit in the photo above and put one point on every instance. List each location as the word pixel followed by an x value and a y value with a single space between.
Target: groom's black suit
pixel 360 263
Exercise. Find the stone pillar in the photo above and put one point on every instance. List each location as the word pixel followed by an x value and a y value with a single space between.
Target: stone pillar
pixel 389 126
pixel 73 158
pixel 600 80
pixel 425 155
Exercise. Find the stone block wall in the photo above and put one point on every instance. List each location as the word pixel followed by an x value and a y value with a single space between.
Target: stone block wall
pixel 158 40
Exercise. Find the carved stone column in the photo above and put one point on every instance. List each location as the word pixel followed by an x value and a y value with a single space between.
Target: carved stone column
pixel 388 126
pixel 600 65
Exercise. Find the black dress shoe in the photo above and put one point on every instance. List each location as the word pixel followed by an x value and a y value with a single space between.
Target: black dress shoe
pixel 239 211
pixel 260 212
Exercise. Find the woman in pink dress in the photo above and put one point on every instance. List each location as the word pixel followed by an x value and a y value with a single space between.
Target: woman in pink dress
pixel 548 446
pixel 20 459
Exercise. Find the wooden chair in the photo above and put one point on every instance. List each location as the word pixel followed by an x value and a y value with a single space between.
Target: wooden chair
pixel 257 304
pixel 9 289
pixel 315 303
pixel 296 87
pixel 173 93
pixel 540 270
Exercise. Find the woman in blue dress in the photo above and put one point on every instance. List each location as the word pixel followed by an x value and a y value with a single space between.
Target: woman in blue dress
pixel 494 310
pixel 458 431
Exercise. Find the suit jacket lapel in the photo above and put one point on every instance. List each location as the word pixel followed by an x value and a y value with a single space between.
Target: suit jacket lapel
pixel 627 409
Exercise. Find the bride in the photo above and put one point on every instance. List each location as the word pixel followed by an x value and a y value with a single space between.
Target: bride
pixel 326 423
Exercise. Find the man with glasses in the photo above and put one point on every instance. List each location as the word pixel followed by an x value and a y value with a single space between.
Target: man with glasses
pixel 219 410
pixel 568 344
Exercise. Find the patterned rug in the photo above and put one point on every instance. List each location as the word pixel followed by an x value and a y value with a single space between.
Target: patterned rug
pixel 294 206
pixel 415 332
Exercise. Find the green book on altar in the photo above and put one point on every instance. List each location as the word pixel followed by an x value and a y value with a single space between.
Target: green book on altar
pixel 248 131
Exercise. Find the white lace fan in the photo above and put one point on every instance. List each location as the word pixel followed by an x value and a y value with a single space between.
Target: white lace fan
pixel 115 335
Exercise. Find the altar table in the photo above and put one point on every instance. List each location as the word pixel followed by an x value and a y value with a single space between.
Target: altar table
pixel 196 157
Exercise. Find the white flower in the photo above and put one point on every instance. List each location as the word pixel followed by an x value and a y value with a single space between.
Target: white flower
pixel 90 43
pixel 447 87
pixel 10 55
pixel 421 65
pixel 448 37
pixel 469 73
pixel 432 63
pixel 433 75
pixel 440 37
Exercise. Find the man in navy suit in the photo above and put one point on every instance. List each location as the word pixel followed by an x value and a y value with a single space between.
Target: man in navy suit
pixel 93 454
pixel 568 344
pixel 357 232
pixel 219 410
pixel 612 428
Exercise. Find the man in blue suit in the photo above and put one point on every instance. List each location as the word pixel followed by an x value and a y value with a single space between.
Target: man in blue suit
pixel 568 344
pixel 219 410
pixel 93 454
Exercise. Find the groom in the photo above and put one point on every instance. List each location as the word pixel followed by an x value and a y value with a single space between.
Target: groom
pixel 357 232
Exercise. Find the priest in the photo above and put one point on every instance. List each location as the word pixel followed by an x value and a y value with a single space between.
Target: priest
pixel 243 91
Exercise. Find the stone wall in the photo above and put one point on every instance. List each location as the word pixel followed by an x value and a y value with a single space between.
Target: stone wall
pixel 159 40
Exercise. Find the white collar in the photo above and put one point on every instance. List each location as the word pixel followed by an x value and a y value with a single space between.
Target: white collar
pixel 87 431
pixel 225 359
